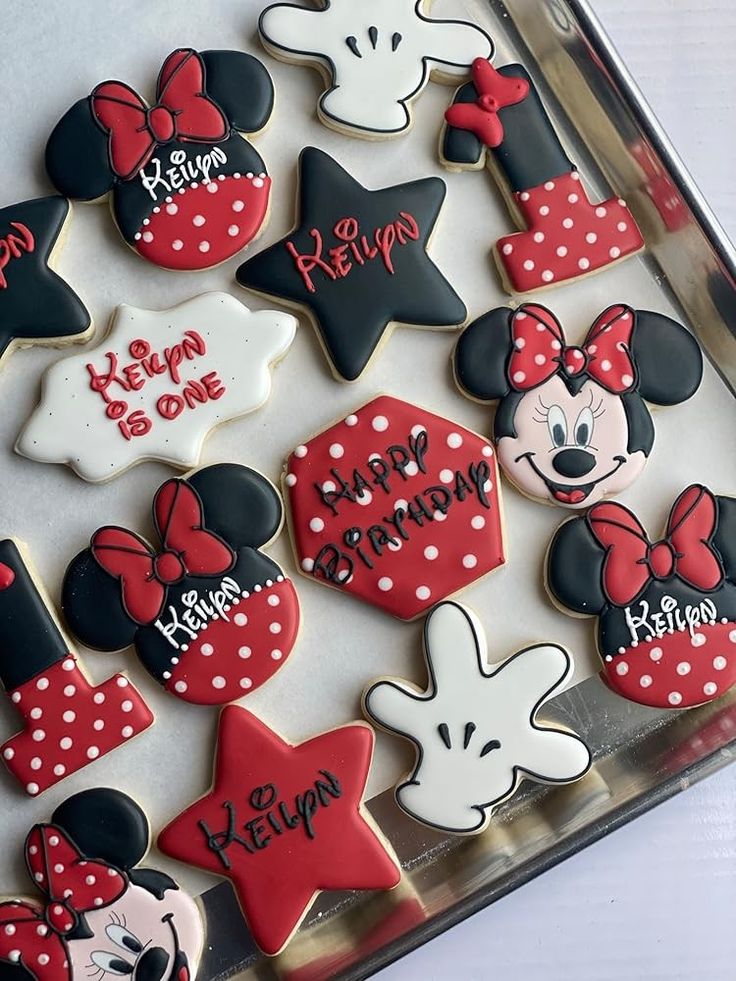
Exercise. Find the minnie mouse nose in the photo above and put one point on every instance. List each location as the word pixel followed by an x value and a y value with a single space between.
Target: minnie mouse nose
pixel 573 463
pixel 152 964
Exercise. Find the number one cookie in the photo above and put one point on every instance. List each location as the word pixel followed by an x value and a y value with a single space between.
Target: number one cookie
pixel 68 723
pixel 499 120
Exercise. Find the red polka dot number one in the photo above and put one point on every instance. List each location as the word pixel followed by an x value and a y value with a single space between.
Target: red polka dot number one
pixel 68 723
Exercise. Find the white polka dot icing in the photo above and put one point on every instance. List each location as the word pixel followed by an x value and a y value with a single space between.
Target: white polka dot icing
pixel 363 522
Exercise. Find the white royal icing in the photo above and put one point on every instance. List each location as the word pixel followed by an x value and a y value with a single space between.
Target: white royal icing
pixel 475 727
pixel 380 54
pixel 178 373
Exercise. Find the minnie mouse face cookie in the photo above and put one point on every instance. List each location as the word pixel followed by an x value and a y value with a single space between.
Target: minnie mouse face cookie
pixel 377 56
pixel 99 914
pixel 666 609
pixel 572 425
pixel 187 191
pixel 210 615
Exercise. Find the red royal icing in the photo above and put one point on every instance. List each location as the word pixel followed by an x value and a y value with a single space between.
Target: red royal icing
pixel 203 225
pixel 495 92
pixel 69 723
pixel 284 822
pixel 7 576
pixel 235 656
pixel 408 512
pixel 678 670
pixel 567 235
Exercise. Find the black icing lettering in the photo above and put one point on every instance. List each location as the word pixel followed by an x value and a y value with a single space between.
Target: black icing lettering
pixel 306 806
pixel 332 788
pixel 380 538
pixel 440 497
pixel 220 841
pixel 352 538
pixel 400 458
pixel 360 484
pixel 263 797
pixel 397 520
pixel 331 498
pixel 333 565
pixel 462 487
pixel 381 471
pixel 418 512
pixel 480 473
pixel 256 830
pixel 290 820
pixel 273 821
pixel 419 446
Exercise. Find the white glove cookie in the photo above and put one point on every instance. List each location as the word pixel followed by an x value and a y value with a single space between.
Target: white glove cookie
pixel 376 56
pixel 475 728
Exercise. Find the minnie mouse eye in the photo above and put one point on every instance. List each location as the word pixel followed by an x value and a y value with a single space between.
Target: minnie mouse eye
pixel 557 425
pixel 123 938
pixel 110 963
pixel 584 427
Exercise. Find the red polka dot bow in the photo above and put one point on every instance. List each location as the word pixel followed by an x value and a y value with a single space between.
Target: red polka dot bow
pixel 182 111
pixel 186 549
pixel 540 351
pixel 632 561
pixel 32 935
pixel 495 91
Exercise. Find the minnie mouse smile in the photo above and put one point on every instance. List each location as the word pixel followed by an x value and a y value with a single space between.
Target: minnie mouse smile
pixel 572 426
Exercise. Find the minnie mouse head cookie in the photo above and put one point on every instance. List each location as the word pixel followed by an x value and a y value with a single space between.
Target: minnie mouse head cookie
pixel 211 616
pixel 475 729
pixel 666 608
pixel 36 305
pixel 376 57
pixel 96 912
pixel 572 425
pixel 187 190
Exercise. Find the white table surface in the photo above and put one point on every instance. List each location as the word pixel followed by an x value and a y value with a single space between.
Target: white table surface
pixel 656 900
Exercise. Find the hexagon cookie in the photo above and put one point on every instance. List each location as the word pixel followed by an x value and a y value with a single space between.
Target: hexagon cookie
pixel 396 506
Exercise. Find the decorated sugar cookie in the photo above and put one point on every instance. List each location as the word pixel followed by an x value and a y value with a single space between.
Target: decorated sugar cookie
pixel 376 57
pixel 67 722
pixel 161 380
pixel 36 305
pixel 475 728
pixel 499 121
pixel 284 822
pixel 666 609
pixel 357 262
pixel 187 191
pixel 396 506
pixel 211 616
pixel 95 913
pixel 572 425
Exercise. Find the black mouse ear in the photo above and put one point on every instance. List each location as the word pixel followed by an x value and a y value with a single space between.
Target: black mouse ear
pixel 241 86
pixel 725 536
pixel 668 359
pixel 481 356
pixel 105 824
pixel 575 569
pixel 460 146
pixel 77 156
pixel 92 604
pixel 240 505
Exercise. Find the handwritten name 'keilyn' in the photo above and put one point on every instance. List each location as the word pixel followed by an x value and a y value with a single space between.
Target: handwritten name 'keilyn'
pixel 275 816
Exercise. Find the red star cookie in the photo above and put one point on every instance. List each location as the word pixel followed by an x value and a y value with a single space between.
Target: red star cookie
pixel 284 822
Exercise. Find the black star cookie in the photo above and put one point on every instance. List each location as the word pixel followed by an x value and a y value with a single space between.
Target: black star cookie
pixel 357 262
pixel 36 305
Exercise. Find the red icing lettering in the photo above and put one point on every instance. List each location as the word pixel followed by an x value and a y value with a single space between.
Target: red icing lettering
pixel 13 246
pixel 337 264
pixel 170 406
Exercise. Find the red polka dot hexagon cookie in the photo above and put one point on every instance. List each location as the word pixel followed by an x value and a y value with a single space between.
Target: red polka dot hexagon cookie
pixel 395 506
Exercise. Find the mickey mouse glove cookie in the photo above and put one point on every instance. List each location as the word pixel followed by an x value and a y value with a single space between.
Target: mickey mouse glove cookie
pixel 475 728
pixel 187 190
pixel 211 616
pixel 95 912
pixel 666 608
pixel 572 425
pixel 376 56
